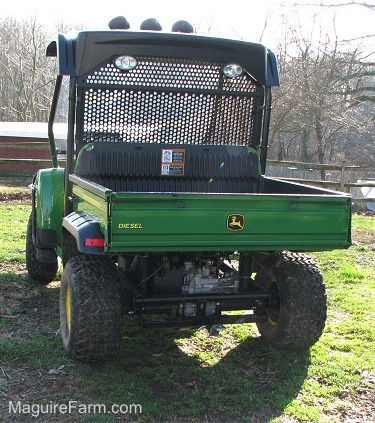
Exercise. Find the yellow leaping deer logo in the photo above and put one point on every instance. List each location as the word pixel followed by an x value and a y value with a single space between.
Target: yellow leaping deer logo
pixel 235 222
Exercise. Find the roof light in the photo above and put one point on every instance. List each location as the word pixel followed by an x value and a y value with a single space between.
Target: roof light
pixel 150 24
pixel 183 26
pixel 126 63
pixel 232 70
pixel 119 22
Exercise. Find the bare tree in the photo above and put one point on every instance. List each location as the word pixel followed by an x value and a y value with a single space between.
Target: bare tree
pixel 26 75
pixel 324 93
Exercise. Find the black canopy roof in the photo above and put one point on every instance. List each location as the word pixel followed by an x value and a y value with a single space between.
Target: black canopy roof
pixel 80 53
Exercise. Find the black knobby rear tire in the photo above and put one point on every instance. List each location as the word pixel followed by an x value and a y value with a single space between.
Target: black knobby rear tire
pixel 297 320
pixel 68 246
pixel 40 272
pixel 90 308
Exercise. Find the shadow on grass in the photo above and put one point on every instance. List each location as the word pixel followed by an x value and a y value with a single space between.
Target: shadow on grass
pixel 251 382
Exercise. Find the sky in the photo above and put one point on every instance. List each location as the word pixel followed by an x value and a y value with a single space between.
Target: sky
pixel 229 18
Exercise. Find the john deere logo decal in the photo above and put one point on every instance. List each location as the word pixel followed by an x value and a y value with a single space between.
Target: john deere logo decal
pixel 235 222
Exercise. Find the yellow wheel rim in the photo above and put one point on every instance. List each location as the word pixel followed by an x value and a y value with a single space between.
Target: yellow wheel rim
pixel 68 308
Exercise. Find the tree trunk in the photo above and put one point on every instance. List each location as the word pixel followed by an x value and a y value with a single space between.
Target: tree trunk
pixel 304 141
pixel 320 142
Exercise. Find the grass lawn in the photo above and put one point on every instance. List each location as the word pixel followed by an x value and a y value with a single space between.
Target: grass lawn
pixel 185 375
pixel 13 221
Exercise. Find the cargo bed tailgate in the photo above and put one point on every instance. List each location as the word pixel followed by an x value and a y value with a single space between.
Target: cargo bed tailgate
pixel 226 222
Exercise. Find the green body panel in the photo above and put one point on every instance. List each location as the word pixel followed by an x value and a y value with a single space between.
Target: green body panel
pixel 93 204
pixel 50 199
pixel 155 222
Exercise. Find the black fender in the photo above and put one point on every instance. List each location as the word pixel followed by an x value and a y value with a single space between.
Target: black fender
pixel 85 228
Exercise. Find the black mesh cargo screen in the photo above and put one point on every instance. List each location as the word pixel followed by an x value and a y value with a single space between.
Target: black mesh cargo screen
pixel 172 101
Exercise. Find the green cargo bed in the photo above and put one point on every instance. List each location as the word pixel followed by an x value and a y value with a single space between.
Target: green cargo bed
pixel 314 219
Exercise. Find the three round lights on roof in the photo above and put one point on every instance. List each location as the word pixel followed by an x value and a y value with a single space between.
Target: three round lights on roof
pixel 151 24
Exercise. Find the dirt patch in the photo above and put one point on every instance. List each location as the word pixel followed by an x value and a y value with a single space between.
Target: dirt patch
pixel 27 308
pixel 359 408
pixel 356 210
pixel 29 386
pixel 14 196
pixel 363 237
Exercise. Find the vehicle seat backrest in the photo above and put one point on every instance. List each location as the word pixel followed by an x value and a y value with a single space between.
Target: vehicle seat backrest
pixel 151 167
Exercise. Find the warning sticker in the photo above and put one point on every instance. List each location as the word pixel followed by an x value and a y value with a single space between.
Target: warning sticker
pixel 173 162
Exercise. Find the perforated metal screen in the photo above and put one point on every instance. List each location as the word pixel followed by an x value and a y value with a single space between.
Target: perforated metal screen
pixel 172 101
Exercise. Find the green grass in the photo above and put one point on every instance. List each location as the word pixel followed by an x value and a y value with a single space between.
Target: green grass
pixel 13 222
pixel 363 222
pixel 189 376
pixel 30 352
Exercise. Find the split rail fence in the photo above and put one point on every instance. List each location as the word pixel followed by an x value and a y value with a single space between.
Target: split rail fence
pixel 21 157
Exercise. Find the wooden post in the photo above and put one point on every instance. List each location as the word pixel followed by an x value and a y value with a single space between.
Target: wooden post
pixel 342 176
